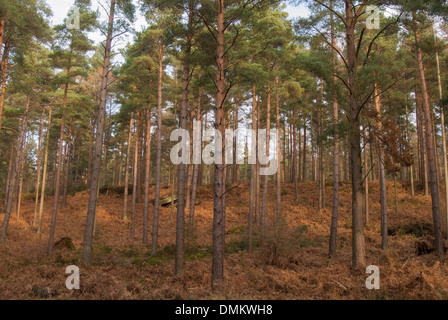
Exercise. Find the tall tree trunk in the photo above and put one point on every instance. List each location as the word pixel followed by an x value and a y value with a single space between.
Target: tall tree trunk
pixel 14 176
pixel 38 165
pixel 3 75
pixel 278 158
pixel 147 170
pixel 195 168
pixel 235 171
pixel 155 225
pixel 126 172
pixel 253 173
pixel 304 151
pixel 8 177
pixel 2 32
pixel 68 152
pixel 19 189
pixel 58 173
pixel 336 173
pixel 358 241
pixel 442 119
pixel 395 193
pixel 435 196
pixel 366 178
pixel 219 212
pixel 383 187
pixel 44 174
pixel 257 169
pixel 411 173
pixel 94 183
pixel 91 151
pixel 179 263
pixel 135 173
pixel 190 165
pixel 264 202
pixel 321 159
pixel 294 157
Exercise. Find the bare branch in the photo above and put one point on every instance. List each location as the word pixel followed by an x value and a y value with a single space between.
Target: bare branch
pixel 334 12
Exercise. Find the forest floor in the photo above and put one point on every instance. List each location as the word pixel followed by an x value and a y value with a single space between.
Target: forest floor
pixel 292 263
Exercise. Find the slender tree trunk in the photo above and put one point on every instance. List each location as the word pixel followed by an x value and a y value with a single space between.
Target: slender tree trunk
pixel 219 212
pixel 135 173
pixel 91 151
pixel 155 225
pixel 442 119
pixel 395 193
pixel 366 170
pixel 411 173
pixel 265 177
pixel 3 75
pixel 358 241
pixel 38 165
pixel 383 187
pixel 257 169
pixel 8 177
pixel 435 196
pixel 2 31
pixel 147 169
pixel 94 183
pixel 19 191
pixel 68 152
pixel 304 151
pixel 139 139
pixel 195 169
pixel 253 173
pixel 179 263
pixel 44 174
pixel 278 158
pixel 336 172
pixel 235 171
pixel 294 157
pixel 190 165
pixel 126 172
pixel 58 173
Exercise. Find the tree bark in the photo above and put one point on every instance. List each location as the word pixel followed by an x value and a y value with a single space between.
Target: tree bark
pixel 304 151
pixel 135 173
pixel 294 157
pixel 155 225
pixel 382 170
pixel 442 119
pixel 126 172
pixel 265 177
pixel 38 165
pixel 253 173
pixel 179 263
pixel 219 212
pixel 336 173
pixel 435 196
pixel 195 172
pixel 358 241
pixel 279 177
pixel 94 183
pixel 147 170
pixel 44 174
pixel 3 75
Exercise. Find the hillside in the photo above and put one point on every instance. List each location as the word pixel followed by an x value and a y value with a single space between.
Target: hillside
pixel 291 264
